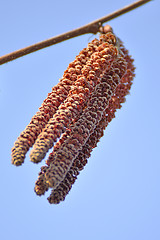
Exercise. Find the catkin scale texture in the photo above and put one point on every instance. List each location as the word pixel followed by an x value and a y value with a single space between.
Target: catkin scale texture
pixel 73 117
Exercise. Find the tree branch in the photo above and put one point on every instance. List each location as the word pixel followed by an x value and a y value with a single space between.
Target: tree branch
pixel 92 27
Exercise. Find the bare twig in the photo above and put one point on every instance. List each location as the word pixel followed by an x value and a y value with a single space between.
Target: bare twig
pixel 92 27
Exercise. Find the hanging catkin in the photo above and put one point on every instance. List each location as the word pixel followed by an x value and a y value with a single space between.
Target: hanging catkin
pixel 73 117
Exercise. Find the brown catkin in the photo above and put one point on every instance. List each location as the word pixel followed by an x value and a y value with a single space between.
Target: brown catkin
pixel 50 105
pixel 57 195
pixel 73 117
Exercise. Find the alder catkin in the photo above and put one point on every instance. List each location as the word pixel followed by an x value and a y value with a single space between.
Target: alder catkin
pixel 73 117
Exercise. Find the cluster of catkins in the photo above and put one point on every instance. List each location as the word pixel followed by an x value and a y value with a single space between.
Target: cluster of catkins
pixel 72 118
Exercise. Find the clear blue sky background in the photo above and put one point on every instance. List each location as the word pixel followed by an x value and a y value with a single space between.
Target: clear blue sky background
pixel 117 195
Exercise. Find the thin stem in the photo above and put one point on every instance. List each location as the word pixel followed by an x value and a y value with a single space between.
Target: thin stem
pixel 92 27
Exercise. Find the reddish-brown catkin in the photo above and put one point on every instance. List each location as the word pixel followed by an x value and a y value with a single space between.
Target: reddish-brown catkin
pixel 74 115
pixel 50 105
pixel 115 102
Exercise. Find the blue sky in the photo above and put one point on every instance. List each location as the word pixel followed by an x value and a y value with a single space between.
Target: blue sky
pixel 117 195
